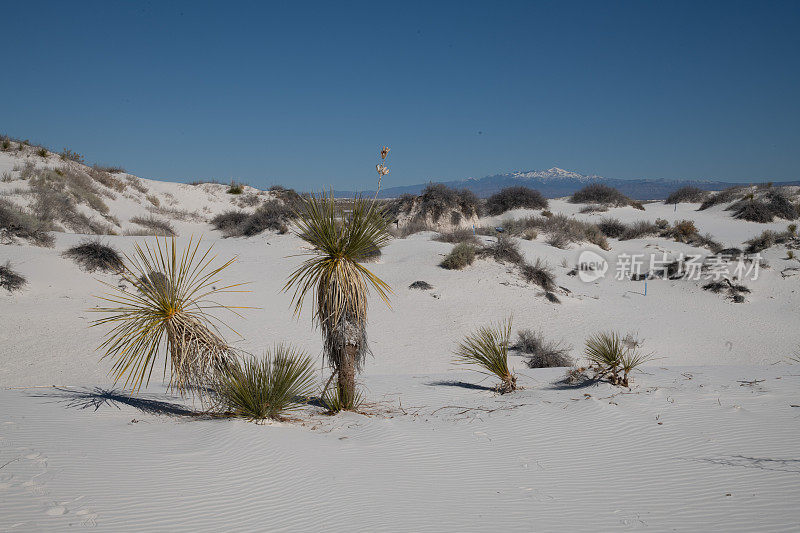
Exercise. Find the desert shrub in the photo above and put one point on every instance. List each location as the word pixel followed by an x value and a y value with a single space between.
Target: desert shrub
pixel 504 249
pixel 558 239
pixel 640 229
pixel 529 234
pixel 462 255
pixel 488 349
pixel 767 239
pixel 421 285
pixel 538 273
pixel 235 188
pixel 613 358
pixel 547 213
pixel 230 222
pixel 156 225
pixel 612 227
pixel 753 211
pixel 136 184
pixel 780 205
pixel 271 215
pixel 5 145
pixel 113 169
pixel 662 223
pixel 103 176
pixel 734 291
pixel 457 236
pixel 42 152
pixel 541 353
pixel 514 198
pixel 17 224
pixel 683 230
pixel 93 255
pixel 10 279
pixel 561 229
pixel 247 200
pixel 153 199
pixel 590 209
pixel 687 194
pixel 266 388
pixel 722 197
pixel 69 155
pixel 598 193
pixel 169 315
pixel 438 199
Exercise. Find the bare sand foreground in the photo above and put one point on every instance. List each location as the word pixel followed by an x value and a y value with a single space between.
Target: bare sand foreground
pixel 705 439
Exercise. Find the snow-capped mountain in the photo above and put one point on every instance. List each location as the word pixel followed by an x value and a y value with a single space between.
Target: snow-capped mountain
pixel 557 182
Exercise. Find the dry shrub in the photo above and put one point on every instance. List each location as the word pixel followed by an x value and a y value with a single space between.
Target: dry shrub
pixel 612 227
pixel 10 279
pixel 271 215
pixel 598 193
pixel 541 353
pixel 687 194
pixel 722 197
pixel 15 223
pixel 640 229
pixel 92 255
pixel 515 198
pixel 462 255
pixel 503 250
pixel 156 225
pixel 457 236
pixel 538 273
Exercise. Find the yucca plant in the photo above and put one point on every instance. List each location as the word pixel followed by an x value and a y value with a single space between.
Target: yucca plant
pixel 488 349
pixel 167 310
pixel 339 284
pixel 612 357
pixel 258 388
pixel 336 399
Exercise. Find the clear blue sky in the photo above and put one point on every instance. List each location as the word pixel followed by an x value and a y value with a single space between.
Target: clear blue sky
pixel 302 94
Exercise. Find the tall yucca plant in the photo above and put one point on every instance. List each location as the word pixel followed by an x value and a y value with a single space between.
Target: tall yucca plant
pixel 167 309
pixel 338 282
pixel 488 349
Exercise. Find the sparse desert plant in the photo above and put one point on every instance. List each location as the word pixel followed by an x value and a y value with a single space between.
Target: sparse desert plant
pixel 235 188
pixel 529 234
pixel 92 255
pixel 10 279
pixel 457 236
pixel 790 254
pixel 42 152
pixel 258 388
pixel 338 282
pixel 688 194
pixel 503 250
pixel 487 348
pixel 547 214
pixel 538 273
pixel 6 145
pixel 515 198
pixel 639 229
pixel 613 358
pixel 69 155
pixel 170 309
pixel 683 230
pixel 591 209
pixel 792 229
pixel 421 285
pixel 157 226
pixel 541 353
pixel 612 227
pixel 767 239
pixel 230 221
pixel 753 210
pixel 462 255
pixel 18 224
pixel 598 193
pixel 727 195
pixel 272 215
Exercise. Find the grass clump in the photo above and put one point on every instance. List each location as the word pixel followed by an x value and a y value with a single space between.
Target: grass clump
pixel 168 310
pixel 157 226
pixel 515 198
pixel 15 223
pixel 612 227
pixel 688 194
pixel 10 279
pixel 457 236
pixel 722 197
pixel 273 215
pixel 598 193
pixel 235 188
pixel 541 353
pixel 538 273
pixel 461 256
pixel 487 348
pixel 93 255
pixel 257 389
pixel 614 357
pixel 767 239
pixel 503 250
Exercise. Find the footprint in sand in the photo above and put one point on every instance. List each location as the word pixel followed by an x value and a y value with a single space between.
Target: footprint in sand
pixel 58 510
pixel 89 519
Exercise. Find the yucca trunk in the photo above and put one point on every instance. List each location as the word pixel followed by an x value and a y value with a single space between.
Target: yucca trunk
pixel 346 349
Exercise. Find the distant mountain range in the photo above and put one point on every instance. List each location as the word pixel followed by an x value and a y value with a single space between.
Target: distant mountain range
pixel 557 182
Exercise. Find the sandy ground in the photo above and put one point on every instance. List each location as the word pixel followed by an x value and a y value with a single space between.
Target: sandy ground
pixel 706 439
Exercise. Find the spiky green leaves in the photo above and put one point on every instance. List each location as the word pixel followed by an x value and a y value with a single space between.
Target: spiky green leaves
pixel 266 388
pixel 166 307
pixel 488 349
pixel 338 240
pixel 612 357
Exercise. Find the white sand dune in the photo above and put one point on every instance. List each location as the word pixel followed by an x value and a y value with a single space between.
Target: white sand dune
pixel 706 439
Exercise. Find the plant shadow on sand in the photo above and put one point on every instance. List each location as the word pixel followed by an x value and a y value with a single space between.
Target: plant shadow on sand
pixel 461 384
pixel 98 397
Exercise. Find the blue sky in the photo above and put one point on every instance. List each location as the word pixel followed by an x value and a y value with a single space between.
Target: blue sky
pixel 303 93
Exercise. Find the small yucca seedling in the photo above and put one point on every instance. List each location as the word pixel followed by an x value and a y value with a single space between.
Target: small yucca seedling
pixel 488 348
pixel 266 388
pixel 335 399
pixel 168 309
pixel 611 356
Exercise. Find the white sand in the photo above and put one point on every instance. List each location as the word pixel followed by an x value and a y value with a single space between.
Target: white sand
pixel 435 451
